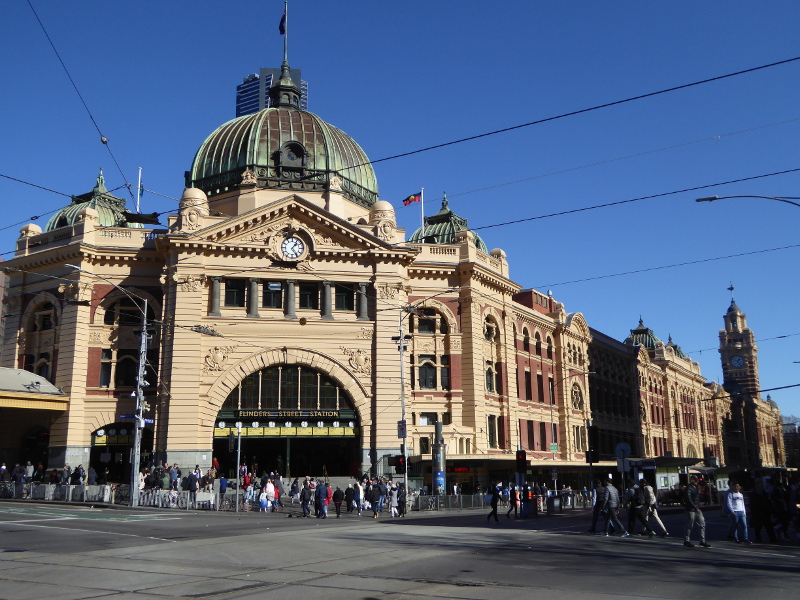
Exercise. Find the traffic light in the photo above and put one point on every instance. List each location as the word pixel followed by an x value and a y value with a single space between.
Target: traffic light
pixel 522 462
pixel 593 455
pixel 231 442
pixel 400 464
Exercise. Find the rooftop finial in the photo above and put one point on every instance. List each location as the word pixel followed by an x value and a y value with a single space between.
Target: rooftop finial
pixel 445 204
pixel 284 92
pixel 641 321
pixel 730 289
pixel 101 182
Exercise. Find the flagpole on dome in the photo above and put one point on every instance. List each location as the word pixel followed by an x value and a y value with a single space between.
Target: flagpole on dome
pixel 422 211
pixel 139 191
pixel 283 27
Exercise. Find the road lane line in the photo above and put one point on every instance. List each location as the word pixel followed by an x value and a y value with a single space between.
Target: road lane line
pixel 146 537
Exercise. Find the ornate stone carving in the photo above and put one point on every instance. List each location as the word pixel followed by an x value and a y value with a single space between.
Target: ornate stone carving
pixel 97 337
pixel 335 184
pixel 388 292
pixel 427 347
pixel 217 357
pixel 360 361
pixel 365 333
pixel 455 344
pixel 190 283
pixel 12 301
pixel 249 178
pixel 385 230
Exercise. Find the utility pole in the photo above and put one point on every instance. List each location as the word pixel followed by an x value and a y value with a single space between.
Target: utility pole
pixel 140 406
pixel 402 429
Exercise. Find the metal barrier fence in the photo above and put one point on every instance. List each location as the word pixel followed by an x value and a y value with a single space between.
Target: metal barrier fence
pixel 552 503
pixel 113 494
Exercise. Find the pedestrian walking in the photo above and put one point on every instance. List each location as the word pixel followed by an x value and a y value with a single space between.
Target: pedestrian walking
pixel 611 508
pixel 650 508
pixel 495 498
pixel 694 516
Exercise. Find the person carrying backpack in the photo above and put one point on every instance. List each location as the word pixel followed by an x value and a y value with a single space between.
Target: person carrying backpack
pixel 637 498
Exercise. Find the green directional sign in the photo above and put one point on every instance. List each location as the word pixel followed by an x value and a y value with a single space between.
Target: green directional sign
pixel 553 447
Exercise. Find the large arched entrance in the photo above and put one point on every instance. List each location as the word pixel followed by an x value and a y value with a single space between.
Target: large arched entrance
pixel 295 420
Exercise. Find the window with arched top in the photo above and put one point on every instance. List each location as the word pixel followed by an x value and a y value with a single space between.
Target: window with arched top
pixel 490 332
pixel 288 387
pixel 538 340
pixel 526 340
pixel 429 320
pixel 577 397
pixel 549 347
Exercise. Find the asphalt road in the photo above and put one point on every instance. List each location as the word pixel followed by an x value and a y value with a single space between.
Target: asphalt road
pixel 65 552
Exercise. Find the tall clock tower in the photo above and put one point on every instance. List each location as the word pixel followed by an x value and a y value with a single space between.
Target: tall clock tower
pixel 739 355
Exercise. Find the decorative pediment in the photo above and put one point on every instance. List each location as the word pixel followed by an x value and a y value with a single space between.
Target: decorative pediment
pixel 265 229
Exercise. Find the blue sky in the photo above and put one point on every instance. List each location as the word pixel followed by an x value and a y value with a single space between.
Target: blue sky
pixel 160 76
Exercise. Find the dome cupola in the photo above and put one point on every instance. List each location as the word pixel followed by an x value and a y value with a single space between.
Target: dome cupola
pixel 286 148
pixel 442 228
pixel 111 211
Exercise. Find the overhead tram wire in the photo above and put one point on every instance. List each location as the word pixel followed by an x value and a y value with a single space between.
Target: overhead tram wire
pixel 578 112
pixel 564 115
pixel 682 264
pixel 103 139
pixel 759 340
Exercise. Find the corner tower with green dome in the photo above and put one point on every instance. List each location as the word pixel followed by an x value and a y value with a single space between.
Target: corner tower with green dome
pixel 111 211
pixel 442 228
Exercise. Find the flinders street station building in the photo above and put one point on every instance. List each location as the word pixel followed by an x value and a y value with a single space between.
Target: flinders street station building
pixel 271 299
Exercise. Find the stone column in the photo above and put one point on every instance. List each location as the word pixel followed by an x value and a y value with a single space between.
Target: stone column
pixel 326 301
pixel 362 302
pixel 252 297
pixel 291 302
pixel 216 285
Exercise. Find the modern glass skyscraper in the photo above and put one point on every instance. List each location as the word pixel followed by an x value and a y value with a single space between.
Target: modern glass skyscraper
pixel 252 95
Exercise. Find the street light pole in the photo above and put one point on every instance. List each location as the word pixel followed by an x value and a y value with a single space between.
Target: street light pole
pixel 402 432
pixel 139 393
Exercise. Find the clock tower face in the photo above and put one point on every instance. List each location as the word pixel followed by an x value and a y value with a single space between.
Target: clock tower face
pixel 739 353
pixel 292 248
pixel 737 362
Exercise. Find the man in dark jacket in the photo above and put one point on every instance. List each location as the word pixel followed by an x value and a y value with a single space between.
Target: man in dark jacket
pixel 305 497
pixel 691 503
pixel 375 498
pixel 349 496
pixel 194 484
pixel 338 497
pixel 321 496
pixel 401 499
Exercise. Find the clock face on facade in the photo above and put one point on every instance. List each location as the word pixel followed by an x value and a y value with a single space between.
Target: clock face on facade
pixel 737 361
pixel 292 248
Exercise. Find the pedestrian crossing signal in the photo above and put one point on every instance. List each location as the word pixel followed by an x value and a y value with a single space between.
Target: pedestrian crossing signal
pixel 522 461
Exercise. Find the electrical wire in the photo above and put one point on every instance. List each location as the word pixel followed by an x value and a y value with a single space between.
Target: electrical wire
pixel 682 264
pixel 103 139
pixel 578 112
pixel 777 337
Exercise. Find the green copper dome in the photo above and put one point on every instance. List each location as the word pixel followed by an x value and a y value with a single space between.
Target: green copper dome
pixel 110 209
pixel 642 336
pixel 675 348
pixel 442 227
pixel 286 148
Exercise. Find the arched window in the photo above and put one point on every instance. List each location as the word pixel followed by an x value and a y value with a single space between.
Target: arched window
pixel 526 340
pixel 429 320
pixel 490 330
pixel 123 312
pixel 489 377
pixel 288 387
pixel 577 397
pixel 538 340
pixel 427 372
pixel 549 348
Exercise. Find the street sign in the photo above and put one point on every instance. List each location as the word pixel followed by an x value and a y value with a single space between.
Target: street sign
pixel 150 421
pixel 553 447
pixel 622 450
pixel 401 430
pixel 127 416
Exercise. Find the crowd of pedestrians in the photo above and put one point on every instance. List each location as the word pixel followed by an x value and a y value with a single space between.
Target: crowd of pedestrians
pixel 772 508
